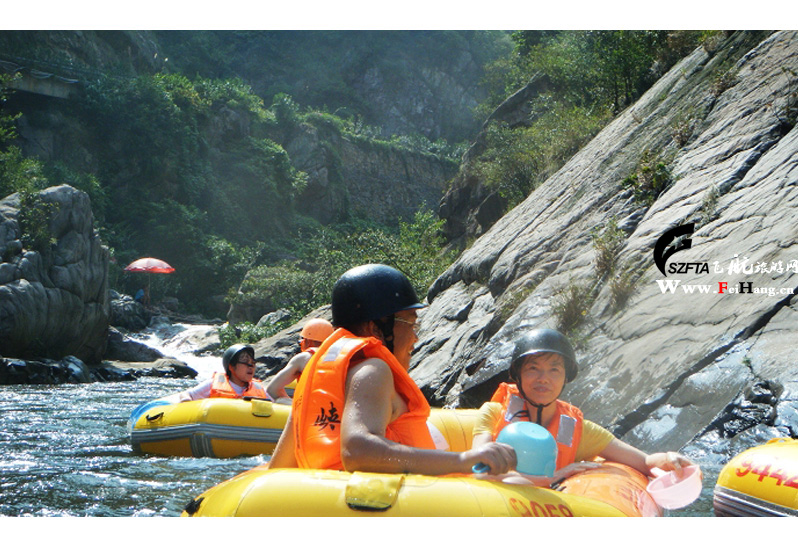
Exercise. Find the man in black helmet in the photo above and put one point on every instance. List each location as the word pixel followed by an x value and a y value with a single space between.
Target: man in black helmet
pixel 543 361
pixel 355 407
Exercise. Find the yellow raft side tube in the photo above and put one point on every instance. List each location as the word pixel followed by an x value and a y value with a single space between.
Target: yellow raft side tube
pixel 213 427
pixel 761 481
pixel 228 428
pixel 611 490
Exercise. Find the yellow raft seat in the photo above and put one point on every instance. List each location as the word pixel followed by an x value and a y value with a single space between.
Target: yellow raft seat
pixel 761 481
pixel 213 427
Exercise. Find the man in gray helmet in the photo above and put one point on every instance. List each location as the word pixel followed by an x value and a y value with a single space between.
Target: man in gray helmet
pixel 543 361
pixel 355 407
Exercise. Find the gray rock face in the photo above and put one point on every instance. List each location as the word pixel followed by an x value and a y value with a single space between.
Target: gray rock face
pixel 660 369
pixel 357 176
pixel 55 302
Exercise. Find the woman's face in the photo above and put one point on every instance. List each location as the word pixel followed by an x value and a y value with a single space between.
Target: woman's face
pixel 243 370
pixel 542 377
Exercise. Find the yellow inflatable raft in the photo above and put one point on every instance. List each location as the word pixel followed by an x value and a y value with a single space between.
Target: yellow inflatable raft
pixel 611 490
pixel 762 481
pixel 228 428
pixel 213 427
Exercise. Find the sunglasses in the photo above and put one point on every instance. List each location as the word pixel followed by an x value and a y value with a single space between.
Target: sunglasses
pixel 415 324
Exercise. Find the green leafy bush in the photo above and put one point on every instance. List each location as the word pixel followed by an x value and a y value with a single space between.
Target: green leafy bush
pixel 518 159
pixel 651 178
pixel 304 284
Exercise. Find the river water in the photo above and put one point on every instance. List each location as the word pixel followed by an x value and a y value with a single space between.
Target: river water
pixel 65 451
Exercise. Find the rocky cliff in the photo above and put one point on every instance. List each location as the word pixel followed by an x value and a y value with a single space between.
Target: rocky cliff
pixel 717 134
pixel 356 176
pixel 54 301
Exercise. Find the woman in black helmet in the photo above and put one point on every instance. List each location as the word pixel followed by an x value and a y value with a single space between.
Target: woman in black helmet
pixel 237 380
pixel 355 407
pixel 543 361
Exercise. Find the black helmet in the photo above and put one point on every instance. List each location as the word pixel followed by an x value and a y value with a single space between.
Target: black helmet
pixel 370 292
pixel 232 352
pixel 544 341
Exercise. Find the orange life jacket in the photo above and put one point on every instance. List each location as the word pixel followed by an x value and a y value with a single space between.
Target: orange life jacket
pixel 319 401
pixel 221 388
pixel 565 426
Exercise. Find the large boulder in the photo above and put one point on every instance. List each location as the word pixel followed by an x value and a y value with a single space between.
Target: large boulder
pixel 128 313
pixel 123 349
pixel 53 302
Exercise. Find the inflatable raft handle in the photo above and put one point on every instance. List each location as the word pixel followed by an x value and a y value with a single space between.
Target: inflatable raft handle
pixel 480 468
pixel 141 409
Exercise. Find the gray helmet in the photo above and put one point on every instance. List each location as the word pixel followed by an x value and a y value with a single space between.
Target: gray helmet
pixel 544 341
pixel 370 292
pixel 232 352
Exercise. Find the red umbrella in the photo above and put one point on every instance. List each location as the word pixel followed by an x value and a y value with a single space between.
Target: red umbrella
pixel 150 265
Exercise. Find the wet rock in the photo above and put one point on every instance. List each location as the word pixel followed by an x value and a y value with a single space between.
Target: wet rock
pixel 169 367
pixel 76 370
pixel 43 371
pixel 128 313
pixel 110 373
pixel 121 348
pixel 754 407
pixel 200 340
pixel 273 318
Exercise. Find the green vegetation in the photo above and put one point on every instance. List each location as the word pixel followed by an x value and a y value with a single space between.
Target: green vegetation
pixel 190 164
pixel 709 206
pixel 607 245
pixel 583 79
pixel 723 82
pixel 651 178
pixel 306 283
pixel 198 177
pixel 571 305
pixel 25 176
pixel 325 70
pixel 518 159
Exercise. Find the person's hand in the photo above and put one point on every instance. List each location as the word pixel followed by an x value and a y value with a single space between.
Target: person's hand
pixel 668 461
pixel 572 469
pixel 499 457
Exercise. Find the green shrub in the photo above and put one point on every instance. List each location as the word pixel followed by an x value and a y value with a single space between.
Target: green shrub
pixel 518 159
pixel 723 82
pixel 304 284
pixel 248 333
pixel 652 178
pixel 571 305
pixel 607 245
pixel 709 204
pixel 34 221
pixel 623 285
